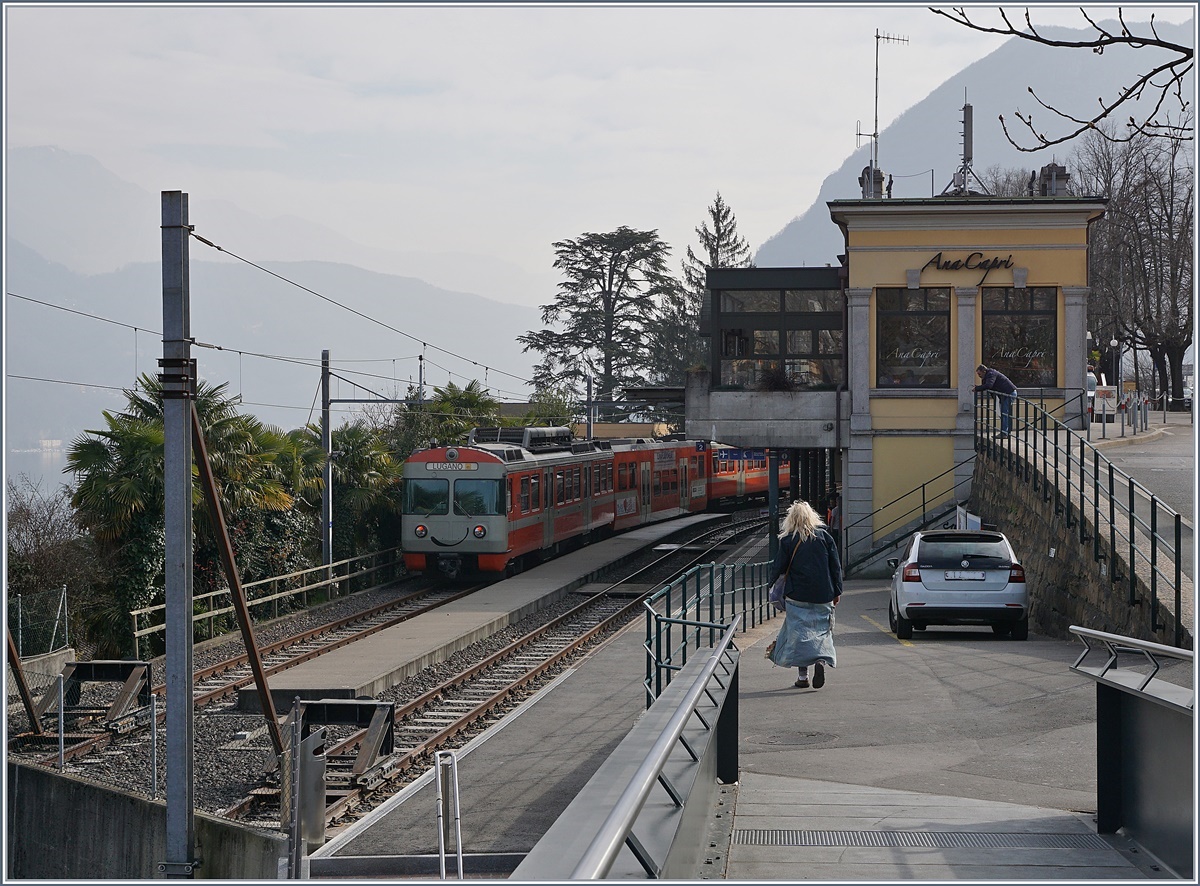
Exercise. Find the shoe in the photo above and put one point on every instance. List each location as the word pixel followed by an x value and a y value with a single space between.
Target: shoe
pixel 770 650
pixel 801 684
pixel 818 679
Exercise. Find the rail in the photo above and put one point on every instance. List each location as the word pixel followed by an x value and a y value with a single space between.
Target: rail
pixel 1097 501
pixel 616 831
pixel 1145 751
pixel 341 577
pixel 692 612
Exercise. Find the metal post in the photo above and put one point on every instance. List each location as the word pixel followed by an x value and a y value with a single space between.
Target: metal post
pixel 589 407
pixel 773 502
pixel 177 378
pixel 62 722
pixel 1132 547
pixel 326 471
pixel 295 839
pixel 20 629
pixel 153 746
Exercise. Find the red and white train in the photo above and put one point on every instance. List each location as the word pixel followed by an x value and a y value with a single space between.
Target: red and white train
pixel 515 495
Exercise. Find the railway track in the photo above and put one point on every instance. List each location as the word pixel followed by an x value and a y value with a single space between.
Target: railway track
pixel 484 691
pixel 223 679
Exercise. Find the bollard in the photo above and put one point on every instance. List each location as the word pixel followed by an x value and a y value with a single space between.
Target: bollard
pixel 62 719
pixel 153 746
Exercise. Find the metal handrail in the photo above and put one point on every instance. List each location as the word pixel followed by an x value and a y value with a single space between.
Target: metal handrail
pixel 1115 645
pixel 331 576
pixel 696 606
pixel 1089 492
pixel 903 519
pixel 600 854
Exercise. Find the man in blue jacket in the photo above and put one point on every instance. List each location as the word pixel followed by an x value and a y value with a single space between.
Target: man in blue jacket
pixel 997 382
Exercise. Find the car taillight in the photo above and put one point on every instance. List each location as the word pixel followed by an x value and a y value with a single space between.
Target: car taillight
pixel 1016 572
pixel 480 531
pixel 420 531
pixel 911 573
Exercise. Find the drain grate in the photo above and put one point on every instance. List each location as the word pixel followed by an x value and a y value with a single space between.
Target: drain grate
pixel 917 839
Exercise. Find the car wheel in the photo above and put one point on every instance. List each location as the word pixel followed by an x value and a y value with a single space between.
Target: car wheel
pixel 904 628
pixel 1020 629
pixel 891 617
pixel 1002 630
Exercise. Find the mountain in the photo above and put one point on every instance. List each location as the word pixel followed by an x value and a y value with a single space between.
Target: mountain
pixel 922 148
pixel 279 329
pixel 71 209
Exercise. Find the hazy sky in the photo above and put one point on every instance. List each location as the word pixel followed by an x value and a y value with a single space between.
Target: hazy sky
pixel 488 129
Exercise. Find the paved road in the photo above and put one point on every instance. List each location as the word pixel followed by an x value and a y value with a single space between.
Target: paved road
pixel 1166 464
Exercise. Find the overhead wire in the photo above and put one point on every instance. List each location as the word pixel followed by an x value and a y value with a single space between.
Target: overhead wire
pixel 351 310
pixel 310 362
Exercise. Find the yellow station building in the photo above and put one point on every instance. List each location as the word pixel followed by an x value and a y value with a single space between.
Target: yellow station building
pixel 865 372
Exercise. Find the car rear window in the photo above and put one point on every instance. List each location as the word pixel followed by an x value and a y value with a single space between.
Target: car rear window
pixel 952 550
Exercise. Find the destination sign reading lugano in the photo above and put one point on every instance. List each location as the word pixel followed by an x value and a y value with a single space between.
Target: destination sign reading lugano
pixel 451 466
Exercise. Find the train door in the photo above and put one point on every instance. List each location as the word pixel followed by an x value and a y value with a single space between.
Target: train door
pixel 685 488
pixel 548 511
pixel 645 496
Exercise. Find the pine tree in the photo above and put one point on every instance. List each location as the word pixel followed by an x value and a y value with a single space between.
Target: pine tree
pixel 721 246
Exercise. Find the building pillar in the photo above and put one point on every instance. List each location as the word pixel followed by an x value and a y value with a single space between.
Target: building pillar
pixel 859 469
pixel 969 351
pixel 1074 357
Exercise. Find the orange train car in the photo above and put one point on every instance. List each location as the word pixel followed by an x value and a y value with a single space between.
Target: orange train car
pixel 513 496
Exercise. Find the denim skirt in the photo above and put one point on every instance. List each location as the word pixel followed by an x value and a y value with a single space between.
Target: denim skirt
pixel 806 636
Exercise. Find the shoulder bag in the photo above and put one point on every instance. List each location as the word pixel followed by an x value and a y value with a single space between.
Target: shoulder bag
pixel 776 594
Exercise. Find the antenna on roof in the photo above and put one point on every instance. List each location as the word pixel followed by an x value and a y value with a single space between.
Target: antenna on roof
pixel 874 175
pixel 960 184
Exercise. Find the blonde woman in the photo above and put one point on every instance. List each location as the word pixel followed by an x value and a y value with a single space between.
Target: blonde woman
pixel 809 556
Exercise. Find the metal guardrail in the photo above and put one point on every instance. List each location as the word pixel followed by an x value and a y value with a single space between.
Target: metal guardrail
pixel 1146 652
pixel 695 609
pixel 1145 751
pixel 933 507
pixel 330 581
pixel 616 831
pixel 1095 499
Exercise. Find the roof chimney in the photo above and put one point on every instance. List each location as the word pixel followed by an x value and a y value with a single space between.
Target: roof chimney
pixel 1052 181
pixel 871 190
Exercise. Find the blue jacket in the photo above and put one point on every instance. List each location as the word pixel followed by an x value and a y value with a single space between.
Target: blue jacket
pixel 995 380
pixel 816 572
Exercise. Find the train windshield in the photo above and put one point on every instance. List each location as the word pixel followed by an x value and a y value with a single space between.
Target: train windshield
pixel 478 498
pixel 425 497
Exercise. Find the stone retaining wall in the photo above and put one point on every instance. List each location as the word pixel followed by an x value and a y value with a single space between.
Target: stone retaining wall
pixel 66 828
pixel 1068 588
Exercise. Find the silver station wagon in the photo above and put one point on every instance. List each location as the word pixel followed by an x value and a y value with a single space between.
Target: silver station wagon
pixel 958 577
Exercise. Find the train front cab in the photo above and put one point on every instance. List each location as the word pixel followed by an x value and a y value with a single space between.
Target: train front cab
pixel 455 512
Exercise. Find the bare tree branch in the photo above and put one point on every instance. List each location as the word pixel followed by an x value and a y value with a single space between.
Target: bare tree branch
pixel 1176 68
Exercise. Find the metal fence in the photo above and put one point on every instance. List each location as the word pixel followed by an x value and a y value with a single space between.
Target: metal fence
pixel 270 597
pixel 695 609
pixel 39 622
pixel 1098 502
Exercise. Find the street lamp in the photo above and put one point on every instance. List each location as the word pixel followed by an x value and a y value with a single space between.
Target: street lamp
pixel 1116 345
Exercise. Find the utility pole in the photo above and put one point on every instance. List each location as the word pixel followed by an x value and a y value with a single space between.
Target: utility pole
pixel 589 407
pixel 327 470
pixel 178 379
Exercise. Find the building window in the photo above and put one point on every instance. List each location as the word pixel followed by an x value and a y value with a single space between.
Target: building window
pixel 1020 334
pixel 800 347
pixel 750 301
pixel 912 335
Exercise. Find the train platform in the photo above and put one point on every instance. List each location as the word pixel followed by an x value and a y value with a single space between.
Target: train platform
pixel 376 663
pixel 869 779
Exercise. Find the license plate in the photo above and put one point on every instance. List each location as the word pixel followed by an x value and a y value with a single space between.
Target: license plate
pixel 960 575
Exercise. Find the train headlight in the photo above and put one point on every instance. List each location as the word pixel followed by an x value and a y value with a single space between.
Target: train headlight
pixel 480 531
pixel 421 531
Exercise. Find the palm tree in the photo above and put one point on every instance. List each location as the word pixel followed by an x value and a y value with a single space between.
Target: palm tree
pixel 460 409
pixel 365 489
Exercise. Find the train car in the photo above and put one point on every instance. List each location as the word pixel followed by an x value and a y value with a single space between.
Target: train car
pixel 741 474
pixel 510 496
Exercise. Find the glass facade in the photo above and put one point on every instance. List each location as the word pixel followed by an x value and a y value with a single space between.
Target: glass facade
pixel 1020 334
pixel 781 339
pixel 912 337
